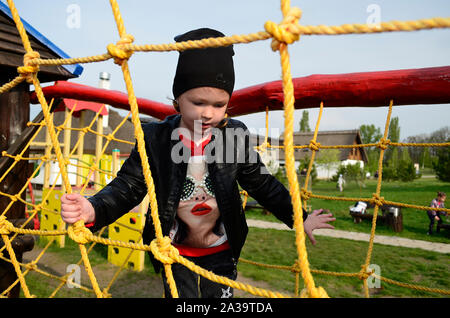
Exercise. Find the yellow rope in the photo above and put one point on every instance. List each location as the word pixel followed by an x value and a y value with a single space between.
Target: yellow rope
pixel 122 61
pixel 377 200
pixel 282 34
pixel 282 37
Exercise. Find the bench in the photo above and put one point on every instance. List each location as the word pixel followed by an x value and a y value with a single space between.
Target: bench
pixel 443 226
pixel 390 215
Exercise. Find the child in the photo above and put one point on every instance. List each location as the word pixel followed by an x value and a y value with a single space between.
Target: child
pixel 341 183
pixel 196 166
pixel 438 202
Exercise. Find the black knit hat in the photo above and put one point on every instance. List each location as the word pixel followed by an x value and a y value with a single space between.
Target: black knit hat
pixel 211 67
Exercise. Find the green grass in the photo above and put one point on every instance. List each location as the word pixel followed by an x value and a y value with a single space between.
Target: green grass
pixel 128 283
pixel 415 222
pixel 414 266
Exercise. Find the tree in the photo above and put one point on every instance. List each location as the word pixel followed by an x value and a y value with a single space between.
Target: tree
pixel 417 153
pixel 425 156
pixel 304 122
pixel 329 158
pixel 354 172
pixel 442 166
pixel 406 171
pixel 394 130
pixel 391 154
pixel 369 135
pixel 304 165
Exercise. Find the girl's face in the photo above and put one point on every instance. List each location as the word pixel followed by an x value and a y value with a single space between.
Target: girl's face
pixel 202 108
pixel 442 198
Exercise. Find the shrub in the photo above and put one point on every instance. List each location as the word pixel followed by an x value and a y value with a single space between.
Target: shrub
pixel 350 172
pixel 304 164
pixel 406 171
pixel 442 165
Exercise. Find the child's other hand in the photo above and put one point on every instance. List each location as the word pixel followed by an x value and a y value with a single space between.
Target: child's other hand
pixel 75 207
pixel 317 220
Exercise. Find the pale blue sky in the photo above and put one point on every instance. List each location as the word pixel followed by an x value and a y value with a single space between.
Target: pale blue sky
pixel 153 22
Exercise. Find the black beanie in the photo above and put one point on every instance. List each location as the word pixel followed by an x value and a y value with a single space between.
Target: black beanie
pixel 211 67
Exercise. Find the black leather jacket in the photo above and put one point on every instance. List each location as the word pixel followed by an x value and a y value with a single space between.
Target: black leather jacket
pixel 241 164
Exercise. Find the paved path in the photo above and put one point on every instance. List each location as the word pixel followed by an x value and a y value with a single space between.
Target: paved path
pixel 357 236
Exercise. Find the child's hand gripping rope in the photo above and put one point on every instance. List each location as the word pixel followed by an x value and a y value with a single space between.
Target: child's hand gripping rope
pixel 75 207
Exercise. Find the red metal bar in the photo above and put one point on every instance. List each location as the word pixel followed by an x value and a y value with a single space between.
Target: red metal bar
pixel 366 89
pixel 369 89
pixel 63 89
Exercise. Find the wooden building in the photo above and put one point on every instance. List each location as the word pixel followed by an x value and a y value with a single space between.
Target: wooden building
pixel 329 138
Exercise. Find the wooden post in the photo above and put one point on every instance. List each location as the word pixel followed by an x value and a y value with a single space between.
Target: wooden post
pixel 67 134
pixel 98 150
pixel 48 154
pixel 14 116
pixel 115 161
pixel 80 150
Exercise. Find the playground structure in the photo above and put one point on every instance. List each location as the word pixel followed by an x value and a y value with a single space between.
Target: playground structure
pixel 423 86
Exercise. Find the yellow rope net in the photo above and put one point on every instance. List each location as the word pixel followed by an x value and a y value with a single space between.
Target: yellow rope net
pixel 283 34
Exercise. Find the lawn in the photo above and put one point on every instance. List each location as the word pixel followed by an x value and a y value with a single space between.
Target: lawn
pixel 415 221
pixel 414 266
pixel 406 265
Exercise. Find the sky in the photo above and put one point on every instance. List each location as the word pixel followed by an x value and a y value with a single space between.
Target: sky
pixel 86 27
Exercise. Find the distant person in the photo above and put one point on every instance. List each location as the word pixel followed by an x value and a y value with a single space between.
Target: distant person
pixel 433 215
pixel 341 183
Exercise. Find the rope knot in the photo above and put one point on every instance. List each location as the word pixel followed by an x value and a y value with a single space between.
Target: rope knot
pixel 79 233
pixel 296 268
pixel 263 147
pixel 5 226
pixel 314 145
pixel 118 52
pixel 163 250
pixel 106 294
pixel 32 265
pixel 316 292
pixel 377 200
pixel 305 194
pixel 365 273
pixel 288 31
pixel 383 144
pixel 29 69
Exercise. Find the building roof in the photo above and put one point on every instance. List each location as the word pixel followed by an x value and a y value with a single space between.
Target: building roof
pixel 80 105
pixel 326 138
pixel 125 132
pixel 12 51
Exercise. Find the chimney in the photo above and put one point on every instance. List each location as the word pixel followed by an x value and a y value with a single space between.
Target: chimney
pixel 106 84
